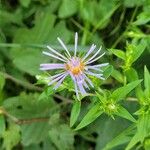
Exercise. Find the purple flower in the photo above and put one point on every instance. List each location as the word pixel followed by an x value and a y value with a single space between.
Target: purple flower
pixel 77 68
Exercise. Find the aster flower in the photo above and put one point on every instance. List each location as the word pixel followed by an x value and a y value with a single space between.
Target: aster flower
pixel 79 69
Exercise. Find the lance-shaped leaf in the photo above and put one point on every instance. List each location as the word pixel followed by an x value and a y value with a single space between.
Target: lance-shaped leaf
pixel 120 93
pixel 119 53
pixel 75 112
pixel 143 131
pixel 92 114
pixel 117 75
pixel 123 113
pixel 122 138
pixel 138 50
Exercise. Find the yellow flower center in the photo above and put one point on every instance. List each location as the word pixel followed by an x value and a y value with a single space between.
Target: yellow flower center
pixel 75 69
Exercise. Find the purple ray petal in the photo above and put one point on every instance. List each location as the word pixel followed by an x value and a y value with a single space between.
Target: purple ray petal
pixel 76 90
pixel 93 68
pixel 51 66
pixel 89 81
pixel 56 79
pixel 51 55
pixel 89 52
pixel 80 85
pixel 60 81
pixel 63 45
pixel 55 76
pixel 95 59
pixel 94 55
pixel 76 43
pixel 100 65
pixel 75 85
pixel 54 51
pixel 81 88
pixel 85 85
pixel 95 74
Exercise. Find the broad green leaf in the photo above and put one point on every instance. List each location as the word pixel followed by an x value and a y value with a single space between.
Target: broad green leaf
pixel 23 57
pixel 62 136
pixel 108 129
pixel 147 81
pixel 34 132
pixel 120 139
pixel 34 113
pixel 119 53
pixel 120 93
pixel 2 124
pixel 123 113
pixel 11 137
pixel 67 8
pixel 43 32
pixel 75 112
pixel 27 106
pixel 91 115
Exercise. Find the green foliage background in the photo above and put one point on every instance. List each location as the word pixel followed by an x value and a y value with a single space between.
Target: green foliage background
pixel 116 116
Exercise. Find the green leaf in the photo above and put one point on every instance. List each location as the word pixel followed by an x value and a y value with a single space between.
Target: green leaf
pixel 11 137
pixel 131 74
pixel 92 114
pixel 108 129
pixel 147 81
pixel 34 133
pixel 143 126
pixel 143 130
pixel 27 106
pixel 43 33
pixel 2 124
pixel 39 34
pixel 118 53
pixel 117 75
pixel 62 137
pixel 67 8
pixel 142 18
pixel 120 93
pixel 138 50
pixel 133 142
pixel 35 113
pixel 107 71
pixel 122 112
pixel 75 112
pixel 120 139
